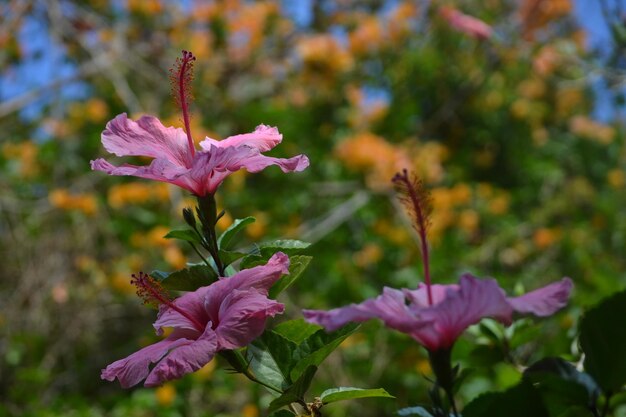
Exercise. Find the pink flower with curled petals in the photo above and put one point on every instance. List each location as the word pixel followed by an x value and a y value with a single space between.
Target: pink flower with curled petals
pixel 436 315
pixel 455 307
pixel 469 25
pixel 175 158
pixel 199 171
pixel 227 314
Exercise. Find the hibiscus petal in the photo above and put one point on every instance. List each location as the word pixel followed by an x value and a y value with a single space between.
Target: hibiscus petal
pixel 419 297
pixel 390 307
pixel 242 317
pixel 184 359
pixel 146 137
pixel 543 301
pixel 134 368
pixel 262 139
pixel 260 278
pixel 467 304
pixel 191 303
pixel 159 170
pixel 259 162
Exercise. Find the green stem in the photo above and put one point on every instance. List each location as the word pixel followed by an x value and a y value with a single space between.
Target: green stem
pixel 199 254
pixel 208 217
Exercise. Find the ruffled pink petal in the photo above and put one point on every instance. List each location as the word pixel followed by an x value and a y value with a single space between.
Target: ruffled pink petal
pixel 159 170
pixel 260 278
pixel 262 139
pixel 191 303
pixel 146 137
pixel 242 317
pixel 211 168
pixel 134 368
pixel 184 359
pixel 473 300
pixel 543 301
pixel 259 162
pixel 390 307
pixel 419 297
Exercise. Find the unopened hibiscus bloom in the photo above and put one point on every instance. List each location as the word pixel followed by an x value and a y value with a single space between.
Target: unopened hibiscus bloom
pixel 469 25
pixel 436 315
pixel 227 314
pixel 175 158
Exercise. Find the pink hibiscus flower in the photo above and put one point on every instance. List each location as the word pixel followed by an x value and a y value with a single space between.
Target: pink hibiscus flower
pixel 436 315
pixel 454 308
pixel 175 157
pixel 227 314
pixel 177 162
pixel 469 25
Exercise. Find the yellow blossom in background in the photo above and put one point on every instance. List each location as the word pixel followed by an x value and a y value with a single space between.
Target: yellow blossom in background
pixel 616 178
pixel 250 410
pixel 398 235
pixel 352 340
pixel 257 229
pixel 499 205
pixel 324 53
pixel 135 193
pixel 147 7
pixel 428 158
pixel 245 26
pixel 400 21
pixel 589 129
pixel 96 110
pixel 468 221
pixel 62 199
pixel 533 88
pixel 155 237
pixel 25 154
pixel 423 367
pixel 165 394
pixel 568 101
pixel 365 151
pixel 367 37
pixel 205 372
pixel 368 255
pixel 545 237
pixel 547 60
pixel 120 282
pixel 174 257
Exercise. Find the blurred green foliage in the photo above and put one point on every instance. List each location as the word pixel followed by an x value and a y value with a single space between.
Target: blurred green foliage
pixel 526 186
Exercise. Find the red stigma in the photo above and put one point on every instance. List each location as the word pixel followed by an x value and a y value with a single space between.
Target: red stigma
pixel 153 293
pixel 181 76
pixel 416 200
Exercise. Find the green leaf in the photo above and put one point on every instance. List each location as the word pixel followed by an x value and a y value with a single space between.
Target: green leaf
pixel 297 265
pixel 414 411
pixel 228 257
pixel 521 400
pixel 187 235
pixel 287 246
pixel 296 330
pixel 565 371
pixel 315 348
pixel 271 359
pixel 188 279
pixel 227 240
pixel 252 260
pixel 349 393
pixel 603 340
pixel 296 392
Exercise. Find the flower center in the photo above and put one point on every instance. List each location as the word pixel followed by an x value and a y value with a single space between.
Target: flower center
pixel 416 199
pixel 181 76
pixel 153 293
